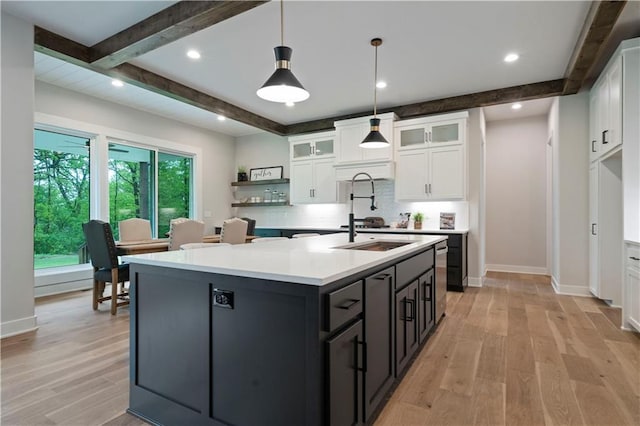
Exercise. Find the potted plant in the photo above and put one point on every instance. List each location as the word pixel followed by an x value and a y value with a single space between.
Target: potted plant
pixel 242 174
pixel 417 220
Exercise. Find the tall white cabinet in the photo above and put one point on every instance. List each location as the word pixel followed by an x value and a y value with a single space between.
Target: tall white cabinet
pixel 313 179
pixel 614 182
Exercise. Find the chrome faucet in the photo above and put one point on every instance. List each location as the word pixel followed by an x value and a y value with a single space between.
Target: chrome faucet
pixel 352 220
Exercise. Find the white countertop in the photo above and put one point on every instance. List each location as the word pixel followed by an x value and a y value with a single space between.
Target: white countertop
pixel 375 230
pixel 311 260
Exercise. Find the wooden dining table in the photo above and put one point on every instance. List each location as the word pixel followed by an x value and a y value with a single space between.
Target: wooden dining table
pixel 125 248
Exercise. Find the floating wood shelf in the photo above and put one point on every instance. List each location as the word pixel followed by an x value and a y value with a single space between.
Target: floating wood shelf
pixel 279 203
pixel 260 182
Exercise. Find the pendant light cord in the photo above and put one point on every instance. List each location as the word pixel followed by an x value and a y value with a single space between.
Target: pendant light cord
pixel 375 82
pixel 281 22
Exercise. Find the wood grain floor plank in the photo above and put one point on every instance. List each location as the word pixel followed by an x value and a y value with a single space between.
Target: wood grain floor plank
pixel 461 372
pixel 488 403
pixel 597 405
pixel 492 362
pixel 558 400
pixel 545 350
pixel 523 404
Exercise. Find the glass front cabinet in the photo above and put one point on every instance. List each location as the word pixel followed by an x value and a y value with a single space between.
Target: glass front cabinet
pixel 431 132
pixel 312 146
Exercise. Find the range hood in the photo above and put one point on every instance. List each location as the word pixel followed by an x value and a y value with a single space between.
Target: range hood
pixel 378 169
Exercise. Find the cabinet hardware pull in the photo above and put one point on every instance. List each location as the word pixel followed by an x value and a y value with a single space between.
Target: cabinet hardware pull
pixel 425 287
pixel 349 304
pixel 634 258
pixel 364 355
pixel 426 191
pixel 429 188
pixel 593 229
pixel 604 137
pixel 593 146
pixel 412 310
pixel 382 277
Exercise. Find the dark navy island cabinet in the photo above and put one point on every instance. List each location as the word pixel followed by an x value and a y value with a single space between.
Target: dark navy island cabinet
pixel 211 349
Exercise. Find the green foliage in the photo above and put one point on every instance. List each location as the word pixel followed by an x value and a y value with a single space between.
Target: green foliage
pixel 417 217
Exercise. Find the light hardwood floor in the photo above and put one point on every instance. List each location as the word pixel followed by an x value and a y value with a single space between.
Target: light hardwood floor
pixel 510 353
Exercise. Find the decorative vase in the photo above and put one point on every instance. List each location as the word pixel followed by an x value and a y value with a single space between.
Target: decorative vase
pixel 242 177
pixel 417 225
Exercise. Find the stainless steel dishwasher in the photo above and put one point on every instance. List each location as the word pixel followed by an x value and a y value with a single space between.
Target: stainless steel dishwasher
pixel 441 279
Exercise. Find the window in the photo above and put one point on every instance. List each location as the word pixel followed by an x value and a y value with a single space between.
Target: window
pixel 174 189
pixel 131 184
pixel 61 198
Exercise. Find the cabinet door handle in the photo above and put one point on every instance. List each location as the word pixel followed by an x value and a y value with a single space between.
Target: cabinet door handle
pixel 430 138
pixel 593 229
pixel 426 188
pixel 604 137
pixel 429 188
pixel 382 277
pixel 634 258
pixel 593 146
pixel 426 136
pixel 412 310
pixel 426 286
pixel 348 304
pixel 363 357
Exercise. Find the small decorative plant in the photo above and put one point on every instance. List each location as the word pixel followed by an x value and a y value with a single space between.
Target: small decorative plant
pixel 242 174
pixel 417 220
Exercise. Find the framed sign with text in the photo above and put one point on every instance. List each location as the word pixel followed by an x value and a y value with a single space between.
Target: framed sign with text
pixel 266 173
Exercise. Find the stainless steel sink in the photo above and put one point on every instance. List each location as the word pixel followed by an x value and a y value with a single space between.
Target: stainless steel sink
pixel 377 245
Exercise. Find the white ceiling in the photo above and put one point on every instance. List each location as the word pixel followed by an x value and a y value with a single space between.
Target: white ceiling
pixel 431 50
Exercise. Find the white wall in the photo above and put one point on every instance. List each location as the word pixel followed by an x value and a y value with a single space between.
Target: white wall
pixel 571 194
pixel 16 171
pixel 475 195
pixel 516 195
pixel 218 150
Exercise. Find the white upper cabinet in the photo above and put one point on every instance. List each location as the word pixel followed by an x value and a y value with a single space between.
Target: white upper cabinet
pixel 430 158
pixel 313 178
pixel 312 146
pixel 349 134
pixel 606 110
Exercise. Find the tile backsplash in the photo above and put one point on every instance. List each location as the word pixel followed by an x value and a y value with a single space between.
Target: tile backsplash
pixel 332 215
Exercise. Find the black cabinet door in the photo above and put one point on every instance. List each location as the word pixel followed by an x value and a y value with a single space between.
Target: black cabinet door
pixel 378 329
pixel 406 325
pixel 346 365
pixel 426 302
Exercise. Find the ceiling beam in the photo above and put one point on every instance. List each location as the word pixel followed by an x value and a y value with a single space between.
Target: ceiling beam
pixel 523 92
pixel 70 51
pixel 597 28
pixel 168 25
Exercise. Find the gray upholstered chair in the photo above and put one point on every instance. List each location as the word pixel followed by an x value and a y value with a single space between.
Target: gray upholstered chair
pixel 134 229
pixel 184 231
pixel 251 225
pixel 234 231
pixel 106 267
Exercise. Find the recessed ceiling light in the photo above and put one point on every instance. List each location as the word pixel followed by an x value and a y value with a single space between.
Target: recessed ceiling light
pixel 290 104
pixel 511 57
pixel 221 118
pixel 117 83
pixel 516 106
pixel 193 54
pixel 381 84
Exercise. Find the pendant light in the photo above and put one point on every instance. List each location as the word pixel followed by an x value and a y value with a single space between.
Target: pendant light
pixel 375 139
pixel 283 86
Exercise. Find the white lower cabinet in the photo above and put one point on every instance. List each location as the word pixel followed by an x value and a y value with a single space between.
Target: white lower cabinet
pixel 631 309
pixel 313 182
pixel 430 174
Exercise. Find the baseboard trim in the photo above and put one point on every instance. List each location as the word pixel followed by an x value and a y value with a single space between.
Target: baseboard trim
pixel 474 281
pixel 570 290
pixel 518 269
pixel 19 326
pixel 65 287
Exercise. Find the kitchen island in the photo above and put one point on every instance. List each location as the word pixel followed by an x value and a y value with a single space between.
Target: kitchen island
pixel 292 332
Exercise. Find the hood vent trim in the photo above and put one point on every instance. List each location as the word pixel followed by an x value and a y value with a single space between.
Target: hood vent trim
pixel 377 169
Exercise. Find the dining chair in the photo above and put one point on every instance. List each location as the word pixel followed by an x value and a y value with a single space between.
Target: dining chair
pixel 190 246
pixel 267 239
pixel 234 231
pixel 106 267
pixel 251 225
pixel 304 235
pixel 184 231
pixel 134 229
